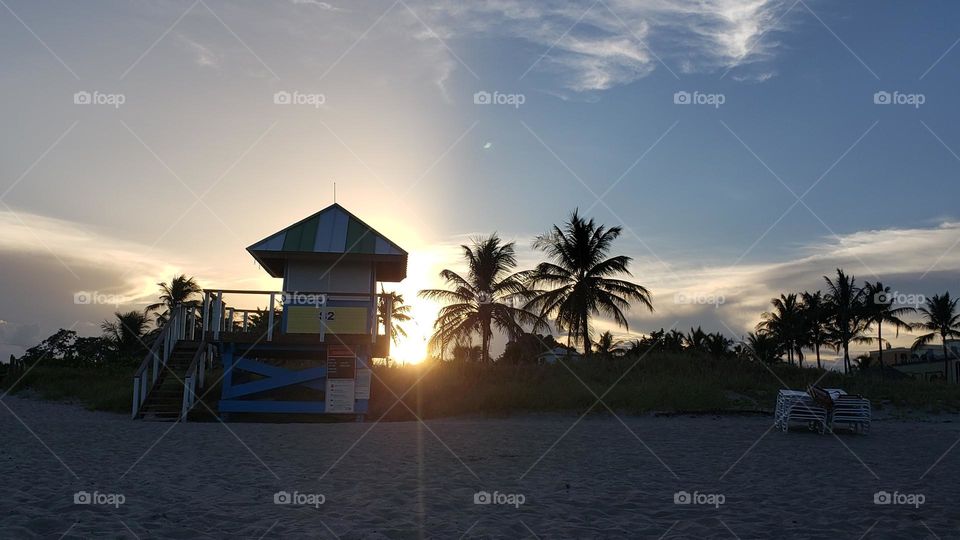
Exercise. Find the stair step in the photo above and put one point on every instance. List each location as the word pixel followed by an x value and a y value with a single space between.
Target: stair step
pixel 165 397
pixel 158 418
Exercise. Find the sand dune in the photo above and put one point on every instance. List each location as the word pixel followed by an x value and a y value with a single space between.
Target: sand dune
pixel 407 480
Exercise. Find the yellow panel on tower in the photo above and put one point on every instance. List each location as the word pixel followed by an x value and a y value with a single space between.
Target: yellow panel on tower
pixel 332 320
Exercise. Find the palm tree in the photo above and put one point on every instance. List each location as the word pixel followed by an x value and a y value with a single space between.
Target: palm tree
pixel 662 341
pixel 878 307
pixel 717 345
pixel 607 345
pixel 125 333
pixel 399 313
pixel 581 277
pixel 785 323
pixel 815 315
pixel 482 299
pixel 764 346
pixel 942 319
pixel 696 340
pixel 845 301
pixel 260 321
pixel 180 290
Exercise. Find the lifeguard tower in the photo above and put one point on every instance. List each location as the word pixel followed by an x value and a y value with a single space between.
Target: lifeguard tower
pixel 305 349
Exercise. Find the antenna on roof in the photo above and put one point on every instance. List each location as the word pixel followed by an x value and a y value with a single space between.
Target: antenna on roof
pixel 334 193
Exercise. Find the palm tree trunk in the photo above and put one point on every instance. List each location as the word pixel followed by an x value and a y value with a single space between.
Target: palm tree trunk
pixel 946 362
pixel 846 357
pixel 485 334
pixel 880 345
pixel 586 335
pixel 816 347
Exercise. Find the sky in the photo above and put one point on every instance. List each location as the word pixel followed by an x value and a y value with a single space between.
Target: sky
pixel 746 148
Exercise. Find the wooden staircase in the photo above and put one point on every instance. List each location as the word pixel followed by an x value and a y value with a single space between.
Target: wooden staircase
pixel 165 398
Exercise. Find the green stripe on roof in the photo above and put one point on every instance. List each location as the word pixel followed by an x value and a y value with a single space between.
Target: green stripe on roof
pixel 302 236
pixel 309 234
pixel 360 238
pixel 292 240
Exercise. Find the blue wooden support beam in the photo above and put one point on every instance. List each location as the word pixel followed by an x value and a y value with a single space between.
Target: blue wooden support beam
pixel 289 378
pixel 271 406
pixel 269 370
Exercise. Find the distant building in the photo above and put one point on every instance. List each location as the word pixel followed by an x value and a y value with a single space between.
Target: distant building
pixel 557 353
pixel 893 356
pixel 925 362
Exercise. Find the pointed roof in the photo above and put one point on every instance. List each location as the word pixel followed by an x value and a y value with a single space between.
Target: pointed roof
pixel 331 234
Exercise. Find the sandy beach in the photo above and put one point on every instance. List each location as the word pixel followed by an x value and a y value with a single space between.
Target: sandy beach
pixel 547 477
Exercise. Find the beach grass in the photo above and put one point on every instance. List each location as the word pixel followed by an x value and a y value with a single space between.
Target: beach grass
pixel 98 389
pixel 659 382
pixel 669 383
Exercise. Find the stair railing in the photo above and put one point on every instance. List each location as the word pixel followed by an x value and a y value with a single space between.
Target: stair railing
pixel 194 378
pixel 181 323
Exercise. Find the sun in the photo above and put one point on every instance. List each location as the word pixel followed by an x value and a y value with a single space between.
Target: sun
pixel 412 349
pixel 422 268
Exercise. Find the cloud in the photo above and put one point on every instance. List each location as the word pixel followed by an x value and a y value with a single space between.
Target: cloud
pixel 47 262
pixel 19 335
pixel 755 77
pixel 722 297
pixel 614 42
pixel 322 5
pixel 203 55
pixel 921 261
pixel 85 255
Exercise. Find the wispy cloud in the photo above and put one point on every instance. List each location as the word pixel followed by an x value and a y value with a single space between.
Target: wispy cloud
pixel 316 3
pixel 595 46
pixel 202 55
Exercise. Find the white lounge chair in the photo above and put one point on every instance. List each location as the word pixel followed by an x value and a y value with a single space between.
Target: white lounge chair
pixel 852 411
pixel 822 409
pixel 795 406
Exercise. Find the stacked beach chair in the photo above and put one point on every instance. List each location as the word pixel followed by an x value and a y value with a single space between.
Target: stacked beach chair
pixel 822 409
pixel 799 407
pixel 851 411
